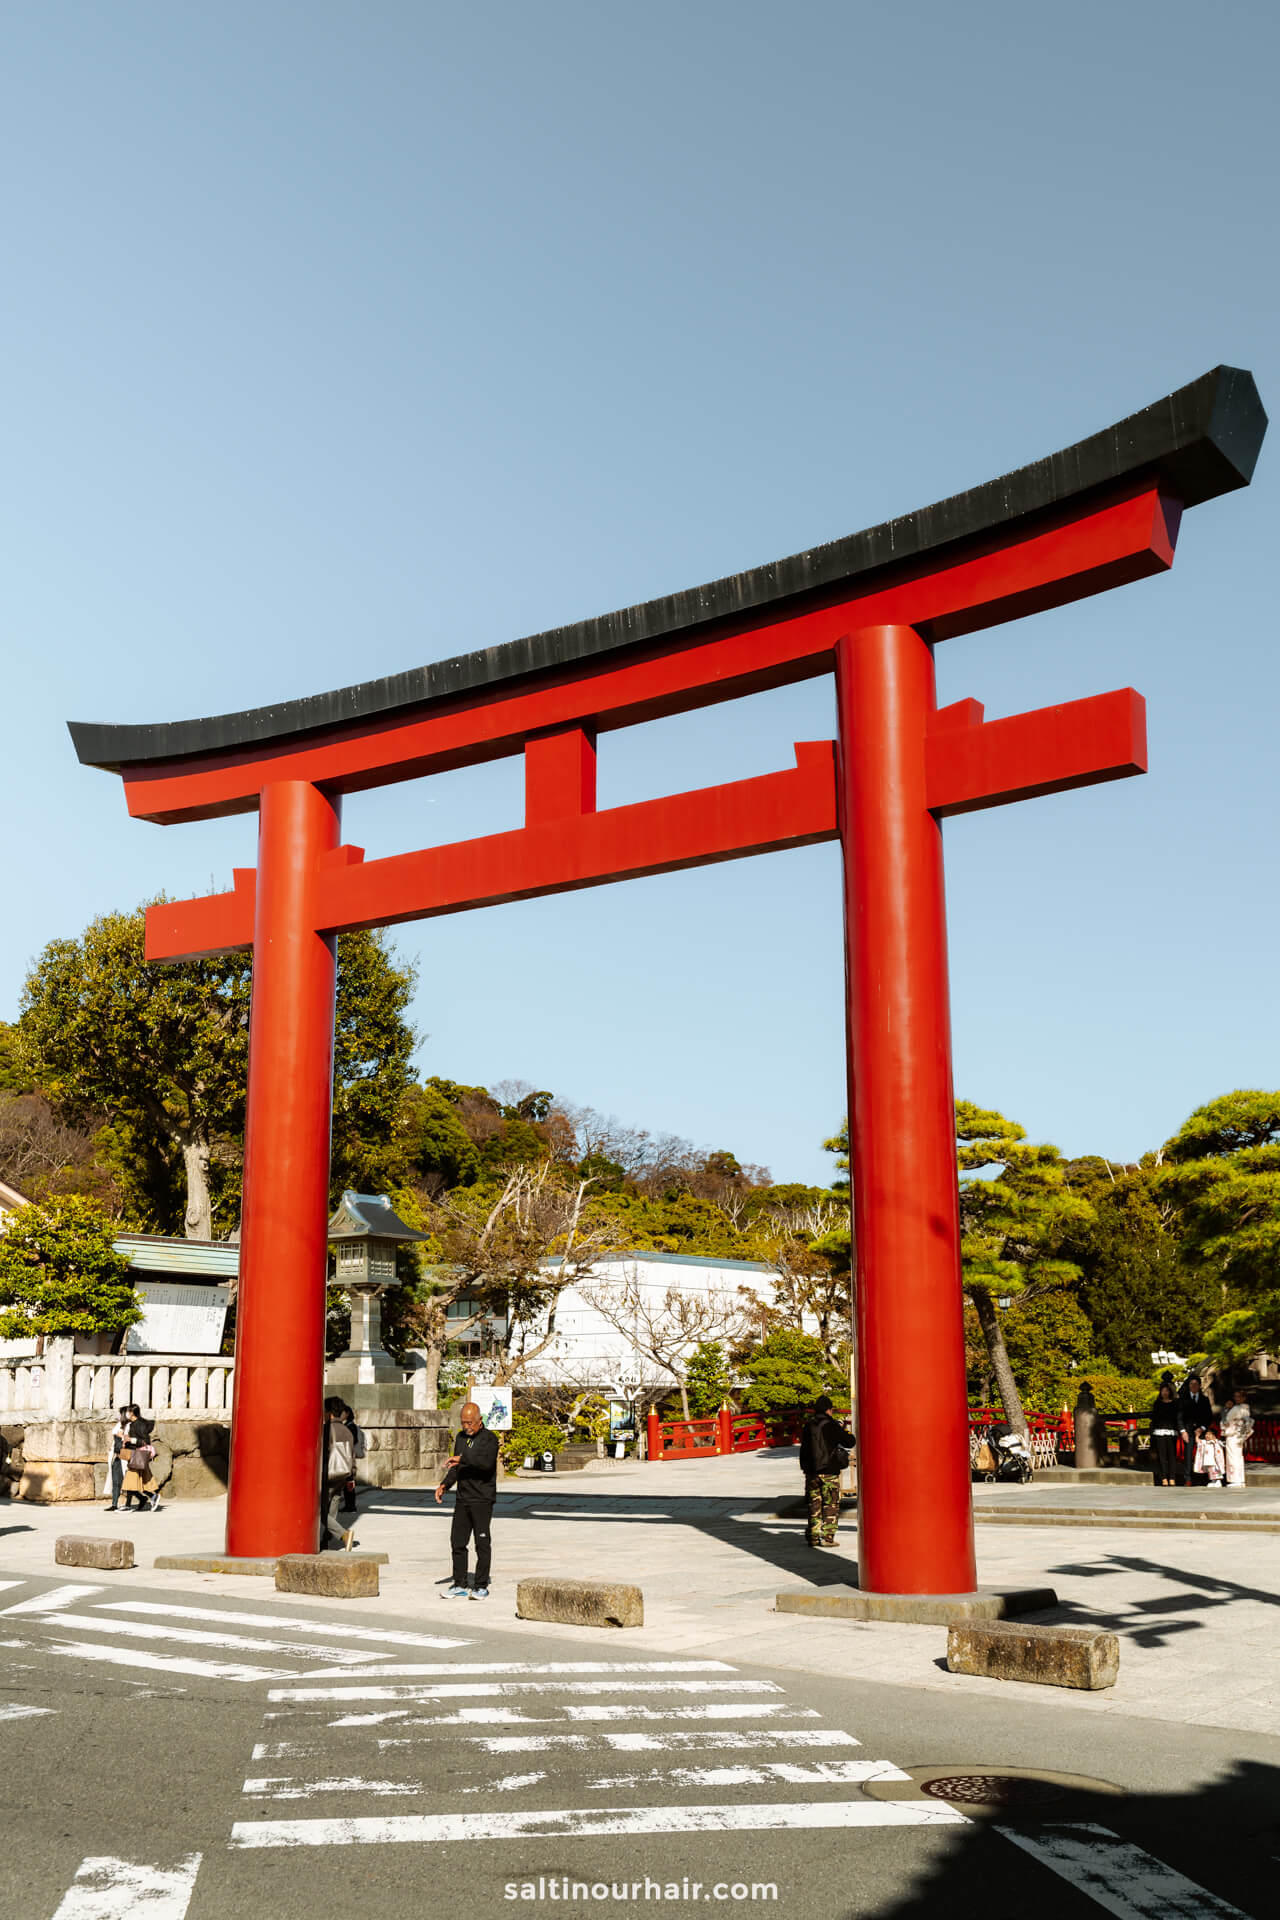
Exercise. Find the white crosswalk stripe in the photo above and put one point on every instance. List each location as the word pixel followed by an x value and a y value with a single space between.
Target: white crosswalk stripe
pixel 205 1637
pixel 52 1601
pixel 106 1888
pixel 519 1689
pixel 1123 1879
pixel 280 1623
pixel 563 1823
pixel 192 1642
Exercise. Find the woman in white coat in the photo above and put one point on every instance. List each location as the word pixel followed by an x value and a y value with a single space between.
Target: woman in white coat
pixel 1237 1425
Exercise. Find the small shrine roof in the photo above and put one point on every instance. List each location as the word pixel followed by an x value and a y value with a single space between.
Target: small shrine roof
pixel 369 1216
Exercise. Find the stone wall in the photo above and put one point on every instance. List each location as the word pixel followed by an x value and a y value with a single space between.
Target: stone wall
pixel 55 1461
pixel 406 1447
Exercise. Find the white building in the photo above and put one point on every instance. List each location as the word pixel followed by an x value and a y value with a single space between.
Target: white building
pixel 608 1328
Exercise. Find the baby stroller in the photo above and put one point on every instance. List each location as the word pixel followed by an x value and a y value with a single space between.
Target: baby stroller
pixel 1004 1456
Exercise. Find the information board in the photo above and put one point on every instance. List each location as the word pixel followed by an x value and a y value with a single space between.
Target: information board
pixel 178 1319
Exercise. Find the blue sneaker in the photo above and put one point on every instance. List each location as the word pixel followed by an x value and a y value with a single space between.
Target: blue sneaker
pixel 456 1593
pixel 478 1593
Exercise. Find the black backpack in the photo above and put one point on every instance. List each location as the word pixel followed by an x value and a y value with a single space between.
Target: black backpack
pixel 826 1458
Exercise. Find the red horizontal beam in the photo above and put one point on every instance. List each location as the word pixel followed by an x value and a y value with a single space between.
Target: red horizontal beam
pixel 971 765
pixel 565 845
pixel 792 809
pixel 1106 547
pixel 199 929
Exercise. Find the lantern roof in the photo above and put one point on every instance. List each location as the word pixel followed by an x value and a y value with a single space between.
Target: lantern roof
pixel 369 1216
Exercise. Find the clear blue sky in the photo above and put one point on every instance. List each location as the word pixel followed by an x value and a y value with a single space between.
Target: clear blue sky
pixel 336 339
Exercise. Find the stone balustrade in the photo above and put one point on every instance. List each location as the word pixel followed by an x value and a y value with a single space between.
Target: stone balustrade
pixel 21 1386
pixel 61 1383
pixel 160 1383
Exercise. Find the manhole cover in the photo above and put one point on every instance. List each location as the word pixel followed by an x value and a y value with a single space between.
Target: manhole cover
pixel 986 1789
pixel 992 1789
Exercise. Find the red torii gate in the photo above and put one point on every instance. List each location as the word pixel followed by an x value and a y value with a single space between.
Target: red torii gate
pixel 871 608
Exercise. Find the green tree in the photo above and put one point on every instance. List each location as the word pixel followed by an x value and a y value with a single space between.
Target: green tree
pixel 160 1054
pixel 16 1076
pixel 440 1153
pixel 1049 1340
pixel 1223 1170
pixel 1018 1216
pixel 707 1378
pixel 60 1272
pixel 1137 1287
pixel 789 1369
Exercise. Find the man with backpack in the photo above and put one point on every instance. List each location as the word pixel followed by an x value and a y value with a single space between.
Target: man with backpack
pixel 825 1447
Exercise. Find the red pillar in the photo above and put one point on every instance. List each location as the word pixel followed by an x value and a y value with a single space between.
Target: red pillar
pixel 915 1522
pixel 653 1428
pixel 272 1506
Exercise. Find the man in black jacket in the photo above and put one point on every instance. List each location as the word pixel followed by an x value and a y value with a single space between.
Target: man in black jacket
pixel 1195 1417
pixel 824 1446
pixel 473 1470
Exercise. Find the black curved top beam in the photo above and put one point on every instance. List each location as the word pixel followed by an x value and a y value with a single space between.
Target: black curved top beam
pixel 1201 441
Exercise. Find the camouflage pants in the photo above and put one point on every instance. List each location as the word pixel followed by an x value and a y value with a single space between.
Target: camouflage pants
pixel 823 1495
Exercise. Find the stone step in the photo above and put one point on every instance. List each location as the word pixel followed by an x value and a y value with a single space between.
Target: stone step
pixel 1142 1518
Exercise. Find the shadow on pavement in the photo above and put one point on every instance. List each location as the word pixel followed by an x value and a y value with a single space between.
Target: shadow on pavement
pixel 711 1515
pixel 1144 1621
pixel 1224 1839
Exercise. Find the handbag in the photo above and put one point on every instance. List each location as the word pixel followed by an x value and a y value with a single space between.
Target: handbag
pixel 140 1459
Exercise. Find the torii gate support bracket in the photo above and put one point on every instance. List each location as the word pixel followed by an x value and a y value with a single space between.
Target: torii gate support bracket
pixel 871 609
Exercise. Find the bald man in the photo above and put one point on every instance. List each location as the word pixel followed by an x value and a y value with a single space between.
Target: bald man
pixel 473 1471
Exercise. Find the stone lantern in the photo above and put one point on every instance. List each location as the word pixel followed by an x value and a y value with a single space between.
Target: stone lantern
pixel 365 1232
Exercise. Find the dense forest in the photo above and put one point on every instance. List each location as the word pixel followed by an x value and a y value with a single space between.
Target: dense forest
pixel 122 1092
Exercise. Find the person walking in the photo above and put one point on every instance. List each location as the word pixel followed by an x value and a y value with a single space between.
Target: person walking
pixel 139 1482
pixel 825 1448
pixel 473 1472
pixel 338 1456
pixel 1164 1426
pixel 1237 1425
pixel 359 1449
pixel 117 1444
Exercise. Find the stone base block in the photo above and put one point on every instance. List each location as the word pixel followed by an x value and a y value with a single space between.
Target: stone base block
pixel 215 1563
pixel 337 1576
pixel 49 1483
pixel 580 1603
pixel 1047 1656
pixel 924 1609
pixel 81 1550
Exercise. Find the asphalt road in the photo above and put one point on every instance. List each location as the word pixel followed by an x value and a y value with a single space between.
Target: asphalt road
pixel 179 1756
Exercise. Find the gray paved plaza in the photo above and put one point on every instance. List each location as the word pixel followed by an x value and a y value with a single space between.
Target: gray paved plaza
pixel 712 1542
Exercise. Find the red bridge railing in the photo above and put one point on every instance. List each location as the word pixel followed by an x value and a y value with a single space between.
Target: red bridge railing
pixel 726 1432
pixel 1127 1432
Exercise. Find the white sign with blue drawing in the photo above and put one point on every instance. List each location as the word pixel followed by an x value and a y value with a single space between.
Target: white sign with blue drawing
pixel 495 1407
